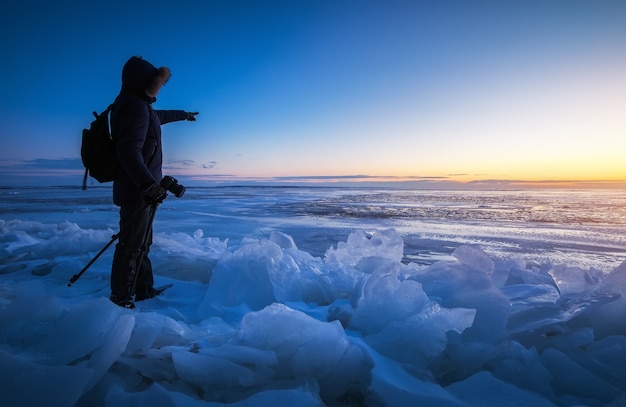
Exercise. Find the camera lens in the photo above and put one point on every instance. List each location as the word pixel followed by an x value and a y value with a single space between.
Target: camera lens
pixel 172 185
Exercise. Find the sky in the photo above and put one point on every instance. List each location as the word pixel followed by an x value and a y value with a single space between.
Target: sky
pixel 458 92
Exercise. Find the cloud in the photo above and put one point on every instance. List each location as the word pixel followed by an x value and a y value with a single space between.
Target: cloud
pixel 188 166
pixel 42 164
pixel 323 177
pixel 360 177
pixel 179 164
pixel 42 171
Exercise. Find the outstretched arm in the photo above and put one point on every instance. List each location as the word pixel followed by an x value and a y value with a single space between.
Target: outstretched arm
pixel 167 116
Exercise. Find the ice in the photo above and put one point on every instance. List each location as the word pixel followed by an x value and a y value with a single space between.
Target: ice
pixel 28 314
pixel 573 280
pixel 500 394
pixel 24 383
pixel 394 315
pixel 567 374
pixel 608 319
pixel 189 258
pixel 154 330
pixel 242 278
pixel 308 349
pixel 474 258
pixel 257 319
pixel 155 396
pixel 210 373
pixel 384 243
pixel 606 358
pixel 283 240
pixel 460 284
pixel 103 358
pixel 395 387
pixel 85 328
pixel 514 358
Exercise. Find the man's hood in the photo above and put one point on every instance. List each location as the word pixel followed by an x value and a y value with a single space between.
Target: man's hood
pixel 141 78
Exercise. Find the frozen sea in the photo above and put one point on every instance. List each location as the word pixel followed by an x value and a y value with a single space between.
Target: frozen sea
pixel 319 296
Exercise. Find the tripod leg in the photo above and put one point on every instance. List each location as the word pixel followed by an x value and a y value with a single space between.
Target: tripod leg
pixel 142 250
pixel 76 276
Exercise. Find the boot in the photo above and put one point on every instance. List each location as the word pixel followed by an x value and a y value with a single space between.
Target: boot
pixel 122 302
pixel 150 293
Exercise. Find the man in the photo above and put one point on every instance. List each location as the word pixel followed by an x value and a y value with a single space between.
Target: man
pixel 136 129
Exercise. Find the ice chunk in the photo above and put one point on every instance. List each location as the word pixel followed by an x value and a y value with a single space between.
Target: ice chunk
pixel 383 243
pixel 455 285
pixel 396 315
pixel 117 339
pixel 308 279
pixel 608 319
pixel 185 257
pixel 300 397
pixel 283 240
pixel 606 358
pixel 523 296
pixel 289 282
pixel 520 275
pixel 482 389
pixel 155 396
pixel 351 375
pixel 23 383
pixel 574 280
pixel 532 306
pixel 307 349
pixel 306 346
pixel 261 359
pixel 29 316
pixel 209 372
pixel 512 359
pixel 571 378
pixel 475 258
pixel 384 299
pixel 534 324
pixel 462 359
pixel 262 272
pixel 420 338
pixel 85 328
pixel 154 330
pixel 290 397
pixel 393 386
pixel 242 278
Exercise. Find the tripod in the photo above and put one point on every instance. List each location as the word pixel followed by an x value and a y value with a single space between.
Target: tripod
pixel 143 248
pixel 170 184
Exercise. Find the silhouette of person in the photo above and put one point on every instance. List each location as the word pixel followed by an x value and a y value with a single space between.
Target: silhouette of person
pixel 136 130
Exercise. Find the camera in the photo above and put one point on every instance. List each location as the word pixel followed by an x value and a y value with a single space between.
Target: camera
pixel 172 185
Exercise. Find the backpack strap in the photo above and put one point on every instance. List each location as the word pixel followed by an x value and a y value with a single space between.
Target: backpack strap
pixel 85 179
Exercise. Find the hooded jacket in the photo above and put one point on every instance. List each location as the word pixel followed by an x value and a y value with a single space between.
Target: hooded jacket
pixel 136 129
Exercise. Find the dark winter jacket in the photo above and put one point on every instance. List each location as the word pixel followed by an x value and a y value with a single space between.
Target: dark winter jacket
pixel 136 129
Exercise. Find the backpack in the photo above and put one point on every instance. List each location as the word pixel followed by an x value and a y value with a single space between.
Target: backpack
pixel 98 150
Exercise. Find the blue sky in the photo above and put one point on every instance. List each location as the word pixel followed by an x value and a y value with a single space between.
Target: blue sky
pixel 459 91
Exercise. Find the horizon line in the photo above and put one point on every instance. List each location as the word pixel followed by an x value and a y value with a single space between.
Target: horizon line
pixel 439 183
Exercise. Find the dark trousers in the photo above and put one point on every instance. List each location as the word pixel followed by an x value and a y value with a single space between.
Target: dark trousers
pixel 135 226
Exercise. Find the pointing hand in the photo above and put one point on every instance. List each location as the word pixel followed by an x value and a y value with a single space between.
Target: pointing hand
pixel 191 116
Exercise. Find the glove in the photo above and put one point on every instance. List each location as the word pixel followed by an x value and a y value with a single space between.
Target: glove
pixel 191 116
pixel 155 193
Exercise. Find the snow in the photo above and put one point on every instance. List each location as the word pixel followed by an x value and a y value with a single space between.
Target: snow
pixel 258 321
